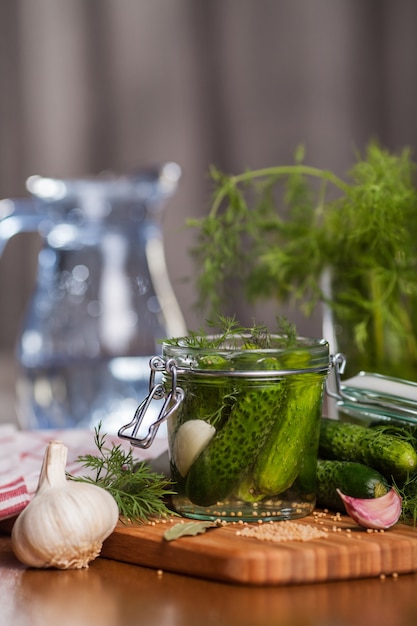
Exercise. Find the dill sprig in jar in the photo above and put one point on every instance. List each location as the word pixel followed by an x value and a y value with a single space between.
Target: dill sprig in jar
pixel 243 411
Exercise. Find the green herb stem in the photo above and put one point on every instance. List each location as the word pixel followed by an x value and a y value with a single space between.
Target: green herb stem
pixel 277 171
pixel 378 322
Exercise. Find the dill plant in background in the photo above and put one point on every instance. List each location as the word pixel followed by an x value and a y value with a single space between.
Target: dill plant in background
pixel 280 231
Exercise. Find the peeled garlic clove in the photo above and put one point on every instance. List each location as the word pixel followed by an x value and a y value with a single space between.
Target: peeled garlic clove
pixel 190 440
pixel 378 513
pixel 66 522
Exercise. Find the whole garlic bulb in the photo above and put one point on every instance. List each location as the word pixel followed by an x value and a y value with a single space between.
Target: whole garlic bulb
pixel 66 522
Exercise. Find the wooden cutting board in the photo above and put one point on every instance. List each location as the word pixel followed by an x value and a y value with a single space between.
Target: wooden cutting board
pixel 347 552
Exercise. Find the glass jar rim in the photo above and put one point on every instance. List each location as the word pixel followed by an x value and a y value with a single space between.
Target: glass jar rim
pixel 237 358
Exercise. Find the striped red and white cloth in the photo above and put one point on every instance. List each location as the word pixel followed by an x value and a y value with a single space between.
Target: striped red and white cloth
pixel 21 455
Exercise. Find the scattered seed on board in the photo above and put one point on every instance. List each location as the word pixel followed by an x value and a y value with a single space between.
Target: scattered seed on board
pixel 285 531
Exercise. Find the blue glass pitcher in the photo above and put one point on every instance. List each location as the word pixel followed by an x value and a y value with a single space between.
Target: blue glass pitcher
pixel 102 301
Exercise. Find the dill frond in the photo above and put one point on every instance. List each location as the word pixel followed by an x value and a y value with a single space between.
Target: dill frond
pixel 140 492
pixel 272 232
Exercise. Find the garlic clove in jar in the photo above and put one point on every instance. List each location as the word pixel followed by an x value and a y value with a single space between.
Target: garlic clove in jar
pixel 66 522
pixel 190 440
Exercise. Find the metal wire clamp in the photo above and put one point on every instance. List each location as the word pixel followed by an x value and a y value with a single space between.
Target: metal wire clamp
pixel 338 362
pixel 157 391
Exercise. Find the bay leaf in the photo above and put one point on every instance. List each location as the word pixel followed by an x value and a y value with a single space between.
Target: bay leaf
pixel 187 529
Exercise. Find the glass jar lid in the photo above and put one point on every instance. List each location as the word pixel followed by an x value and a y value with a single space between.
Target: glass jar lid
pixel 374 397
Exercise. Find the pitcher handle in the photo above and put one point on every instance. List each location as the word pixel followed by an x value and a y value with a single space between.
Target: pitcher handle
pixel 17 215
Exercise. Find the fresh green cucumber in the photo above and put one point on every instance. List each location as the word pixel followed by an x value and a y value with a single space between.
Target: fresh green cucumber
pixel 289 444
pixel 217 471
pixel 353 479
pixel 391 456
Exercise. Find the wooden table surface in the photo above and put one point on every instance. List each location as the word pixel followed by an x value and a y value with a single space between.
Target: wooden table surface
pixel 110 593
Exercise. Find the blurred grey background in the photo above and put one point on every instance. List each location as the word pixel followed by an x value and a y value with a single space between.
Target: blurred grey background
pixel 93 85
